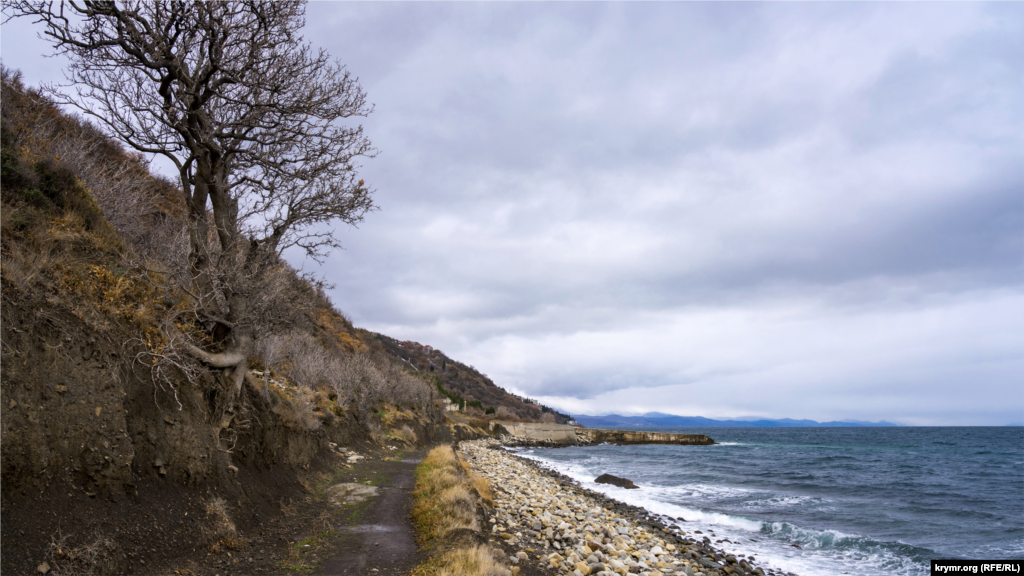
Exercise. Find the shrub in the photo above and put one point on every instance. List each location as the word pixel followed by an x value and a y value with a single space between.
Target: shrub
pixel 355 379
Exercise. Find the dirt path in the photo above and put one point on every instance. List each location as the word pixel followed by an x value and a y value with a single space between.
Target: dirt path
pixel 380 541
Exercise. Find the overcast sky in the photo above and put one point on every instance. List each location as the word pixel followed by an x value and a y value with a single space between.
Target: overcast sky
pixel 724 210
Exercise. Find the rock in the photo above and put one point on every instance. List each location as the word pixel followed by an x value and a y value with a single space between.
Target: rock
pixel 43 568
pixel 615 481
pixel 350 493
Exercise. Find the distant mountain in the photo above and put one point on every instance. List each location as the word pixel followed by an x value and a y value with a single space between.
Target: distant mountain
pixel 671 421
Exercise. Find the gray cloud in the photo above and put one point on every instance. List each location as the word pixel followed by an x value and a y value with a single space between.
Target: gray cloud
pixel 802 210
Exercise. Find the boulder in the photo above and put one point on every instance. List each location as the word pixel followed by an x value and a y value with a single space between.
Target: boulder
pixel 615 481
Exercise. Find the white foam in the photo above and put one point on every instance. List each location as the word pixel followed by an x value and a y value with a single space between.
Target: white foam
pixel 777 501
pixel 682 493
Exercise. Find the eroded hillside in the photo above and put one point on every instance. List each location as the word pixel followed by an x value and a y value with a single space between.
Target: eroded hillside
pixel 120 453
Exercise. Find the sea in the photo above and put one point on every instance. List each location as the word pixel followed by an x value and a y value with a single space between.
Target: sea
pixel 826 501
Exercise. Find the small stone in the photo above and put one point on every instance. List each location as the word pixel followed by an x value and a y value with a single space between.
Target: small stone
pixel 14 404
pixel 98 410
pixel 43 568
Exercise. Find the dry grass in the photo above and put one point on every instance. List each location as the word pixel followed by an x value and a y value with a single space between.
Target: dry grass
pixel 446 498
pixel 338 326
pixel 221 531
pixel 99 556
pixel 220 520
pixel 298 407
pixel 443 498
pixel 27 269
pixel 483 488
pixel 475 561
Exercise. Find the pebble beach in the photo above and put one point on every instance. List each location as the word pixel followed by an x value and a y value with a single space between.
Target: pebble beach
pixel 545 516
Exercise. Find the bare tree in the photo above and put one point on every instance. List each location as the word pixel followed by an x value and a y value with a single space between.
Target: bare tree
pixel 249 114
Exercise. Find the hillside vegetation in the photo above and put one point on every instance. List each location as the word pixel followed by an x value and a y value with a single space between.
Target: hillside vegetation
pixel 465 385
pixel 119 452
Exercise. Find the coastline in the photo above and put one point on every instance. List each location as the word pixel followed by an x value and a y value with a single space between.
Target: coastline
pixel 542 518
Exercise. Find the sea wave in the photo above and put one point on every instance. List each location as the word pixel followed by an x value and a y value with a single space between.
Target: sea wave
pixel 780 545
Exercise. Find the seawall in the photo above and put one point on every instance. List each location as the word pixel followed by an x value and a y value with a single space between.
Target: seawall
pixel 567 435
pixel 597 436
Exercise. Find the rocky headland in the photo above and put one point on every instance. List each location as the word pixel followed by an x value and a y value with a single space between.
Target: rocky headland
pixel 547 523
